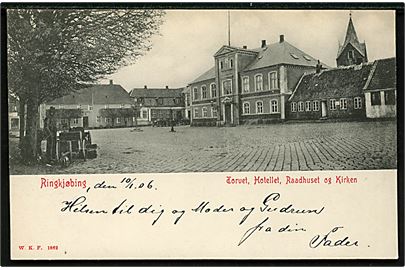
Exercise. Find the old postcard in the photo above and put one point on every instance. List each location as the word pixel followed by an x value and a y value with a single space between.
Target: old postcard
pixel 260 134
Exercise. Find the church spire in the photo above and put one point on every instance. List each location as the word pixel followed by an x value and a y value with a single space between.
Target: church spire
pixel 351 51
pixel 351 35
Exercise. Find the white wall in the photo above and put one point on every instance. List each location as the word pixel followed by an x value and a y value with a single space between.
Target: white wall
pixel 379 111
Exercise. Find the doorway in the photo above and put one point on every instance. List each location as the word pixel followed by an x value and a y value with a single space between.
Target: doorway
pixel 228 114
pixel 323 108
pixel 85 121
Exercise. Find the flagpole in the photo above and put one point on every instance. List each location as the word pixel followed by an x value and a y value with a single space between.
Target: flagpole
pixel 229 28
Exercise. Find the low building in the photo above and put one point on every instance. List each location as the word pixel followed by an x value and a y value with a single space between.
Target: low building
pixel 349 92
pixel 98 106
pixel 158 104
pixel 334 93
pixel 380 90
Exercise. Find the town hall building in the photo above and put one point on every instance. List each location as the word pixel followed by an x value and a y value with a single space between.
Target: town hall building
pixel 249 85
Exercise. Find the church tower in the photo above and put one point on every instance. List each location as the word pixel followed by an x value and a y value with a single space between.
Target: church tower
pixel 351 52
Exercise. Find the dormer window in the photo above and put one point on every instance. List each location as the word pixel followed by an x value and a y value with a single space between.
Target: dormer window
pixel 294 56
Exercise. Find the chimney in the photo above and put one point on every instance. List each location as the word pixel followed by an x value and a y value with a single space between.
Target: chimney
pixel 318 67
pixel 145 87
pixel 281 38
pixel 263 43
pixel 244 47
pixel 111 82
pixel 167 87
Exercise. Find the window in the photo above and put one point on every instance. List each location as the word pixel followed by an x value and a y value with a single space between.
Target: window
pixel 221 64
pixel 273 80
pixel 203 92
pixel 204 112
pixel 118 120
pixel 176 100
pixel 389 97
pixel 246 108
pixel 226 61
pixel 196 113
pixel 343 104
pixel 293 106
pixel 160 114
pixel 89 107
pixel 153 114
pixel 259 82
pixel 231 63
pixel 98 119
pixel 160 101
pixel 375 98
pixel 274 106
pixel 357 102
pixel 316 106
pixel 214 112
pixel 227 87
pixel 145 114
pixel 245 84
pixel 294 56
pixel 106 120
pixel 300 106
pixel 350 54
pixel 307 106
pixel 213 90
pixel 332 104
pixel 259 107
pixel 195 93
pixel 75 121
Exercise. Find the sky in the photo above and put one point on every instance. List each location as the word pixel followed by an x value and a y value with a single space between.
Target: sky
pixel 188 40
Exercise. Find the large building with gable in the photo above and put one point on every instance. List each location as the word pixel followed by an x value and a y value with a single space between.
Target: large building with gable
pixel 96 106
pixel 249 85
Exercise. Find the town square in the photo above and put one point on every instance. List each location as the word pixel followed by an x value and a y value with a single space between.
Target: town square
pixel 280 147
pixel 271 104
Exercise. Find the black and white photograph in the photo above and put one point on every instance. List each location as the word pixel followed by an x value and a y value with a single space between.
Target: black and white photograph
pixel 202 134
pixel 158 91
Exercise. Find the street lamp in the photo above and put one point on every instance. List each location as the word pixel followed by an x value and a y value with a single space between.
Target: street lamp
pixel 135 107
pixel 172 118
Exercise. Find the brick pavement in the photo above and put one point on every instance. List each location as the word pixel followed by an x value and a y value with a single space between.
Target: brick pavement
pixel 280 147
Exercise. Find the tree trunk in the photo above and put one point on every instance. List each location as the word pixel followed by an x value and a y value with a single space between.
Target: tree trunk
pixel 29 151
pixel 21 114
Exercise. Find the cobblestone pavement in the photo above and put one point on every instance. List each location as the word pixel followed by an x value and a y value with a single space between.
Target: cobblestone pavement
pixel 280 147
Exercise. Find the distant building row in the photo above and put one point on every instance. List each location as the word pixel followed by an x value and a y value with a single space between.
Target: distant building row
pixel 110 105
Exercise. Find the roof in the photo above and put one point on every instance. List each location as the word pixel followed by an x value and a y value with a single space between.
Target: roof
pixel 383 75
pixel 351 38
pixel 156 92
pixel 338 82
pixel 97 94
pixel 281 53
pixel 208 75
